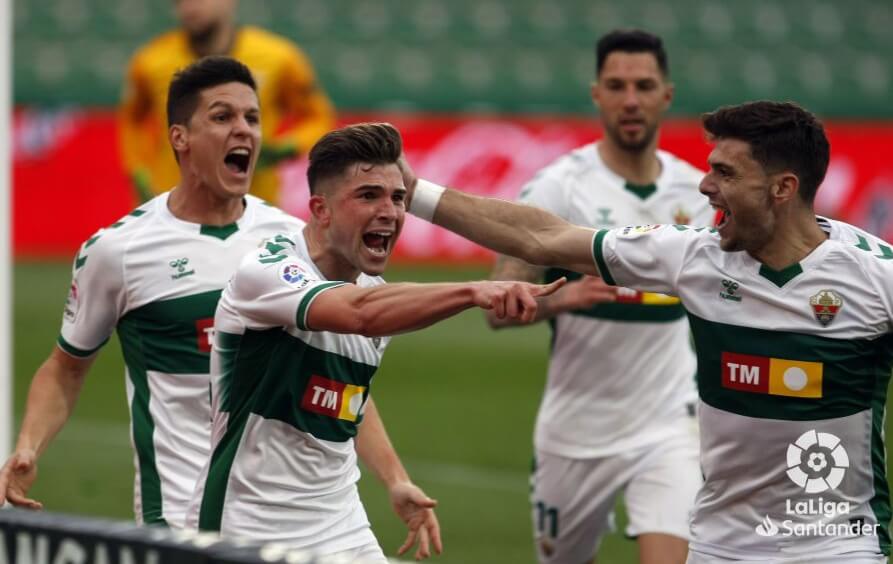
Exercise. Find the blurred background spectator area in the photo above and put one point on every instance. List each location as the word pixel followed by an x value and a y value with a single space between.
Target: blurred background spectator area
pixel 485 91
pixel 495 55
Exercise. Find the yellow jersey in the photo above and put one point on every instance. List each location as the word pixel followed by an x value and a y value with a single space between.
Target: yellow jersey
pixel 295 112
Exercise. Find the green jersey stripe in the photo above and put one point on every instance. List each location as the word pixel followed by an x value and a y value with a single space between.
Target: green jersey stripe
pixel 269 372
pixel 845 372
pixel 598 254
pixel 211 511
pixel 301 317
pixel 143 428
pixel 74 351
pixel 170 335
pixel 880 501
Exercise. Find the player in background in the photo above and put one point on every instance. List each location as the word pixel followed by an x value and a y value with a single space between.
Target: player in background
pixel 296 110
pixel 617 414
pixel 299 333
pixel 791 316
pixel 156 276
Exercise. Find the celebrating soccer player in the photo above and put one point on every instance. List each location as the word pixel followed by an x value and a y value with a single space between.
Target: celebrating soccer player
pixel 620 386
pixel 156 275
pixel 791 316
pixel 299 332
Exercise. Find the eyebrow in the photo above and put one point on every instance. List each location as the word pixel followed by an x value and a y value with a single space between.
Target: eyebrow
pixel 228 106
pixel 401 189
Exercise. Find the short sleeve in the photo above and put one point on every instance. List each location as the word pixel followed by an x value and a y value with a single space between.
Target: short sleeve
pixel 644 257
pixel 96 298
pixel 275 290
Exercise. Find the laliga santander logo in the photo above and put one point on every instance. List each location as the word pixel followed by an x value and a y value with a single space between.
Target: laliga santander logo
pixel 817 461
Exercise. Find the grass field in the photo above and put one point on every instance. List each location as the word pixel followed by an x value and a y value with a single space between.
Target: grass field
pixel 458 399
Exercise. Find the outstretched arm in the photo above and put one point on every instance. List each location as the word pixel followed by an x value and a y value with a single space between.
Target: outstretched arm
pixel 54 391
pixel 409 502
pixel 390 309
pixel 528 233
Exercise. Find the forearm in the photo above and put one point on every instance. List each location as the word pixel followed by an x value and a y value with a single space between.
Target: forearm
pixel 51 399
pixel 375 449
pixel 388 309
pixel 526 232
pixel 505 227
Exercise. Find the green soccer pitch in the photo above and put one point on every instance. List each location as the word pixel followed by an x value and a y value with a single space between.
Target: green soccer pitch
pixel 458 399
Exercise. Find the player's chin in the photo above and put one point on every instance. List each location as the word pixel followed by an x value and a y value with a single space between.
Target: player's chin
pixel 373 264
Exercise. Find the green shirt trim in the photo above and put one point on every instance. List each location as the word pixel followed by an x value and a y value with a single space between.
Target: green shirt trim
pixel 221 232
pixel 783 276
pixel 301 317
pixel 643 191
pixel 74 351
pixel 598 253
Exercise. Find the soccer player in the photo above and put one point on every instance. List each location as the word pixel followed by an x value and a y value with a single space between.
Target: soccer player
pixel 156 275
pixel 791 316
pixel 618 409
pixel 299 332
pixel 296 110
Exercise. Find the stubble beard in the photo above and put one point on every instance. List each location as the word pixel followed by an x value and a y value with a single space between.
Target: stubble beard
pixel 634 147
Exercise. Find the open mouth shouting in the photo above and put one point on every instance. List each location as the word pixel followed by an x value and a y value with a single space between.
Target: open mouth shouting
pixel 378 242
pixel 722 215
pixel 237 160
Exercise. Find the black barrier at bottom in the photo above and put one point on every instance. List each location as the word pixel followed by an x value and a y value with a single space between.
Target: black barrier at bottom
pixel 38 537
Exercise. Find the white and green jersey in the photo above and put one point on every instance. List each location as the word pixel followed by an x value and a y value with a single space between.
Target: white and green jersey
pixel 793 367
pixel 287 402
pixel 618 372
pixel 157 280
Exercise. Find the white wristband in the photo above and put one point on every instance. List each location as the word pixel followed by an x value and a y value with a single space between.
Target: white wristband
pixel 425 199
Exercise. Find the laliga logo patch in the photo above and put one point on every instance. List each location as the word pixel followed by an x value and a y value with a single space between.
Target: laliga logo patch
pixel 826 305
pixel 293 275
pixel 635 230
pixel 71 303
pixel 817 461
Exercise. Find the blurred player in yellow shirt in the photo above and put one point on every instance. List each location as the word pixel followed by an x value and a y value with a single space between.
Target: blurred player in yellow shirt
pixel 296 110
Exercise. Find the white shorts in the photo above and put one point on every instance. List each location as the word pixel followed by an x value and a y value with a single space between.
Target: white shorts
pixel 700 558
pixel 573 499
pixel 366 554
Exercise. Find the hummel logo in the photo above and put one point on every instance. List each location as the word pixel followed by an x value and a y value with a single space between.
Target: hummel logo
pixel 604 219
pixel 180 265
pixel 729 289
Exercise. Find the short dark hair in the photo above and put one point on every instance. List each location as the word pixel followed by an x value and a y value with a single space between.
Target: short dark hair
pixel 188 83
pixel 373 143
pixel 631 41
pixel 781 135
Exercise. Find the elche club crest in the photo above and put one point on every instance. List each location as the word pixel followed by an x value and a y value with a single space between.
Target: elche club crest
pixel 826 305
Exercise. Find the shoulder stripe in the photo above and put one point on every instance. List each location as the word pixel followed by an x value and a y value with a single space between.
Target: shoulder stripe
pixel 598 254
pixel 304 306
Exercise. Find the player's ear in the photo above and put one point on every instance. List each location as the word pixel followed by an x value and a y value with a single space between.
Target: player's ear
pixel 178 138
pixel 593 92
pixel 669 92
pixel 784 187
pixel 319 209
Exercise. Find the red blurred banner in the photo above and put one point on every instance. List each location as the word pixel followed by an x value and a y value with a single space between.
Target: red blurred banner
pixel 68 181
